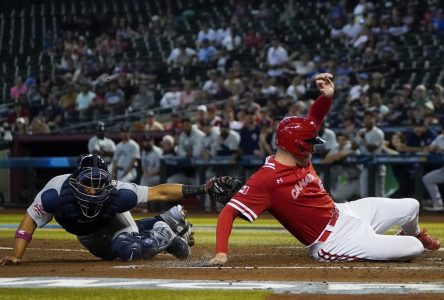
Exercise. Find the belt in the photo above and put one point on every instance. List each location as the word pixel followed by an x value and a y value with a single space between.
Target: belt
pixel 329 228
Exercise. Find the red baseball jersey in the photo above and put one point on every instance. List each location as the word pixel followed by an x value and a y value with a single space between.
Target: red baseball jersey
pixel 295 196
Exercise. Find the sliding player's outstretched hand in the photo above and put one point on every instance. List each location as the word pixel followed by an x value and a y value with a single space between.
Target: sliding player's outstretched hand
pixel 325 85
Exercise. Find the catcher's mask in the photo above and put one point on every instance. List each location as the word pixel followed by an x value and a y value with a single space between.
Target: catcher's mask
pixel 91 185
pixel 297 135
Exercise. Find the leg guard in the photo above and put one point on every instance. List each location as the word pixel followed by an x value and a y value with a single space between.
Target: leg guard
pixel 179 248
pixel 134 246
pixel 175 218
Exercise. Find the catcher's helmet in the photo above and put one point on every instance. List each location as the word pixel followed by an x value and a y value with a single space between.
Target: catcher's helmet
pixel 91 184
pixel 297 135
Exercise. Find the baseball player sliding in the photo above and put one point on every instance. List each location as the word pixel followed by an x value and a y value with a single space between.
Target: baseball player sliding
pixel 288 187
pixel 95 208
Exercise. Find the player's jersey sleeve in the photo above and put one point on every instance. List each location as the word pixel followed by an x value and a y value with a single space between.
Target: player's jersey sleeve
pixel 46 201
pixel 319 109
pixel 253 198
pixel 131 194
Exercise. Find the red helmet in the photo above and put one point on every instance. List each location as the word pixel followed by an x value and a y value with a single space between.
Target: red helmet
pixel 297 135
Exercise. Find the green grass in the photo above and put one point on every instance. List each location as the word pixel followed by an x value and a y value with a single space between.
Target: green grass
pixel 109 294
pixel 205 235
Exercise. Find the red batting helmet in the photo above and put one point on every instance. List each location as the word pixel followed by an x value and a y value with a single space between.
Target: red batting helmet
pixel 297 135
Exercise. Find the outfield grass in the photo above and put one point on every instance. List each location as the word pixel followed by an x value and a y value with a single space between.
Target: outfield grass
pixel 109 294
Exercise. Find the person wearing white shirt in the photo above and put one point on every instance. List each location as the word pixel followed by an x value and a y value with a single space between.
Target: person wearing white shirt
pixel 172 97
pixel 232 41
pixel 84 99
pixel 352 29
pixel 206 33
pixel 277 57
pixel 297 88
pixel 181 56
pixel 101 145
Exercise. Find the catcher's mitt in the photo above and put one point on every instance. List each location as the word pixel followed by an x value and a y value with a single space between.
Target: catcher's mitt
pixel 221 189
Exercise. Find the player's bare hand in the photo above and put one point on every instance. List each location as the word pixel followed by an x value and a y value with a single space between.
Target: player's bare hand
pixel 218 260
pixel 10 260
pixel 325 84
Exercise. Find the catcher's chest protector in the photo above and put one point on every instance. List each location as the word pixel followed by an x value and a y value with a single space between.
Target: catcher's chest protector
pixel 70 217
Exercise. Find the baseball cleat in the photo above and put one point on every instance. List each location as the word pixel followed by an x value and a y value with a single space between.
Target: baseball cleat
pixel 175 217
pixel 427 241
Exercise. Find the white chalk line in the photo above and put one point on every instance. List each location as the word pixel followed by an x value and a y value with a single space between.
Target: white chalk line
pixel 287 267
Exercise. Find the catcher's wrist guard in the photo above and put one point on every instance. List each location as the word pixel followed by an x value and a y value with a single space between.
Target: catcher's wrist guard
pixel 189 191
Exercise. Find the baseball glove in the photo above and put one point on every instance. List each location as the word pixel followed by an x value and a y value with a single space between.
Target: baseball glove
pixel 221 189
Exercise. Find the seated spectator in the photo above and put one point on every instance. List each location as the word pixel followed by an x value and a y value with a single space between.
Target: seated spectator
pixel 222 32
pixel 20 126
pixel 143 99
pixel 35 100
pixel 188 95
pixel 19 110
pixel 53 112
pixel 38 125
pixel 206 53
pixel 253 39
pixel 277 58
pixel 352 29
pixel 206 33
pixel 84 99
pixel 18 89
pixel 114 98
pixel 151 124
pixel 210 86
pixel 181 56
pixel 233 84
pixel 303 65
pixel 362 87
pixel 233 40
pixel 98 102
pixel 222 60
pixel 68 99
pixel 222 91
pixel 168 146
pixel 297 88
pixel 172 97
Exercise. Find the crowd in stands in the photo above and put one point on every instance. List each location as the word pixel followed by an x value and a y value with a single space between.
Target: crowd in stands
pixel 226 84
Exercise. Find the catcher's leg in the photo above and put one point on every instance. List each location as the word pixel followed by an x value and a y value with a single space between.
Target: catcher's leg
pixel 134 246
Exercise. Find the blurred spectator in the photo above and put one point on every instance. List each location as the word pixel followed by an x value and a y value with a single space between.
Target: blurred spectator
pixel 151 124
pixel 362 87
pixel 232 41
pixel 210 86
pixel 18 89
pixel 101 145
pixel 253 39
pixel 418 139
pixel 206 53
pixel 20 126
pixel 297 88
pixel 143 99
pixel 84 99
pixel 168 146
pixel 175 125
pixel 420 97
pixel 35 100
pixel 181 56
pixel 68 99
pixel 126 157
pixel 222 91
pixel 277 58
pixel 303 65
pixel 188 95
pixel 206 33
pixel 38 125
pixel 114 98
pixel 370 140
pixel 222 32
pixel 266 138
pixel 249 143
pixel 172 97
pixel 352 29
pixel 53 112
pixel 345 177
pixel 19 110
pixel 233 84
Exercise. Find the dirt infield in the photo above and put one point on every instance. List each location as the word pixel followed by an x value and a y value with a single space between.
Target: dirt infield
pixel 246 263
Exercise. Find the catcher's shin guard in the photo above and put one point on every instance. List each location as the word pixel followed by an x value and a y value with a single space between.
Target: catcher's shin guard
pixel 134 246
pixel 179 248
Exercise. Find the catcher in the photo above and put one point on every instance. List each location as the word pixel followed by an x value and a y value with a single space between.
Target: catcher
pixel 95 208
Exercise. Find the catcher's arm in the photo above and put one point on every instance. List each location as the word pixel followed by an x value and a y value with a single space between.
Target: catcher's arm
pixel 23 236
